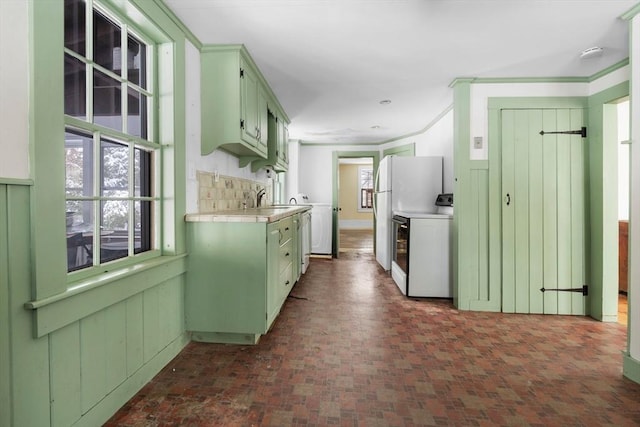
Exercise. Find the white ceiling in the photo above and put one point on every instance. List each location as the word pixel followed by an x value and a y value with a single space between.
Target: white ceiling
pixel 331 62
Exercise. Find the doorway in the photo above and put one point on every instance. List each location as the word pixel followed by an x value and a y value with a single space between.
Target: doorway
pixel 355 201
pixel 350 171
pixel 616 132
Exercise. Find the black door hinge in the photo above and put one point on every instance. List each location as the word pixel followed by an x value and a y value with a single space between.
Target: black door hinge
pixel 241 73
pixel 584 290
pixel 582 132
pixel 241 123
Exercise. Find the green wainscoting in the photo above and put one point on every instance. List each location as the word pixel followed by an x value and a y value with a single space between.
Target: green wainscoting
pixel 79 374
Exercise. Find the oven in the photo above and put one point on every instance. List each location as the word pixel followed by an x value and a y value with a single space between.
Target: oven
pixel 400 251
pixel 421 254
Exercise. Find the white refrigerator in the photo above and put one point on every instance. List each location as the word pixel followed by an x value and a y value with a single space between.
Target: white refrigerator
pixel 409 184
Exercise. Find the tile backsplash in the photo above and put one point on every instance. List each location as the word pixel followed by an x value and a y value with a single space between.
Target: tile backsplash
pixel 220 192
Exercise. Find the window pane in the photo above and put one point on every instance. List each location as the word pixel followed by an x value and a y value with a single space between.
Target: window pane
pixel 106 43
pixel 142 230
pixel 115 169
pixel 136 61
pixel 114 238
pixel 79 234
pixel 137 119
pixel 107 95
pixel 142 173
pixel 74 26
pixel 75 100
pixel 79 164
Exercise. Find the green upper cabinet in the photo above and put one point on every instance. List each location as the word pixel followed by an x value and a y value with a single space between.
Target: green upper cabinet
pixel 235 99
pixel 278 144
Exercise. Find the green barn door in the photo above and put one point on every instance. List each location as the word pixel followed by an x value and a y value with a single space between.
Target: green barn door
pixel 543 212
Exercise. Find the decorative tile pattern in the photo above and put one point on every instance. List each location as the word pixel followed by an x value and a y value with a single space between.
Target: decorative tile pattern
pixel 348 349
pixel 219 193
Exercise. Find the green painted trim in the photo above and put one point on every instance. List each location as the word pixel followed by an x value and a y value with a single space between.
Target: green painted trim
pixel 610 69
pixel 628 15
pixel 500 80
pixel 630 367
pixel 337 155
pixel 405 150
pixel 460 81
pixel 116 398
pixel 178 22
pixel 461 136
pixel 46 125
pixel 5 312
pixel 603 211
pixel 91 296
pixel 479 164
pixel 559 79
pixel 16 181
pixel 537 102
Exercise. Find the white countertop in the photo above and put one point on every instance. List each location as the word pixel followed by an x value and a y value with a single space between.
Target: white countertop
pixel 263 214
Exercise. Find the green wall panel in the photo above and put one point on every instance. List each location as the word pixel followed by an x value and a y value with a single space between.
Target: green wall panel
pixel 66 390
pixel 5 318
pixel 29 358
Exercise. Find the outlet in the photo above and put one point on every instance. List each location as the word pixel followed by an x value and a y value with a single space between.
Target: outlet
pixel 477 142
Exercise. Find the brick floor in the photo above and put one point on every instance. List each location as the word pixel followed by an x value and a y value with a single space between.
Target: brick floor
pixel 350 350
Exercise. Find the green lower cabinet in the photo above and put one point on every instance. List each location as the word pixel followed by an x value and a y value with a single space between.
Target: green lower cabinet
pixel 236 280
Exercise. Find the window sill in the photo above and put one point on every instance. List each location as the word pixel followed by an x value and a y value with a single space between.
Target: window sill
pixel 90 295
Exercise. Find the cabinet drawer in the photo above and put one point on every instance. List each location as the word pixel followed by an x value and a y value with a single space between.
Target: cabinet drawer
pixel 286 229
pixel 286 280
pixel 286 254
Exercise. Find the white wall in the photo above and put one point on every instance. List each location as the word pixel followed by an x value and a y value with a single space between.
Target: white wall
pixel 481 92
pixel 437 140
pixel 14 89
pixel 315 169
pixel 218 161
pixel 316 161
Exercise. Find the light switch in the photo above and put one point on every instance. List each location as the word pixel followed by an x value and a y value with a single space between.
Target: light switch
pixel 477 142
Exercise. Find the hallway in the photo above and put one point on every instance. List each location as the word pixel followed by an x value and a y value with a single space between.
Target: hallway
pixel 348 349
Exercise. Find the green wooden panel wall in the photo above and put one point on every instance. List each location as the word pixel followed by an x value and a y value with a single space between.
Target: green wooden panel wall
pixel 24 389
pixel 83 372
pixel 5 355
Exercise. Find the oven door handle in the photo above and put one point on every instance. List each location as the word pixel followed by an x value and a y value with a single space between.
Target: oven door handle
pixel 402 222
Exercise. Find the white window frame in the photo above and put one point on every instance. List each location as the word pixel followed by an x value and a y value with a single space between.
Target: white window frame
pixel 360 188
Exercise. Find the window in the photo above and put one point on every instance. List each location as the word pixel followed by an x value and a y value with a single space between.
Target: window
pixel 109 146
pixel 365 184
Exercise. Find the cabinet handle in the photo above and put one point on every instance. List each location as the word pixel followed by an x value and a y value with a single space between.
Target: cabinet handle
pixel 286 229
pixel 287 254
pixel 287 283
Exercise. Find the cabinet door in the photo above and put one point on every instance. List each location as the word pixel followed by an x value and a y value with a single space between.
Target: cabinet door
pixel 263 120
pixel 273 273
pixel 249 88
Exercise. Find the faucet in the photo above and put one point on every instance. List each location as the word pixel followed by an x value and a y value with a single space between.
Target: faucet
pixel 259 197
pixel 295 202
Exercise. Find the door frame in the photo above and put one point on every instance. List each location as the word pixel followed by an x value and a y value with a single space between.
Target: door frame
pixel 337 155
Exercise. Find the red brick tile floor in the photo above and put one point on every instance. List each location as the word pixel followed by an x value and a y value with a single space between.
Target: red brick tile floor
pixel 349 350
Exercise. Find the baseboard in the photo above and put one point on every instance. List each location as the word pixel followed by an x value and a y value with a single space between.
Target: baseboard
pixel 630 367
pixel 356 224
pixel 108 406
